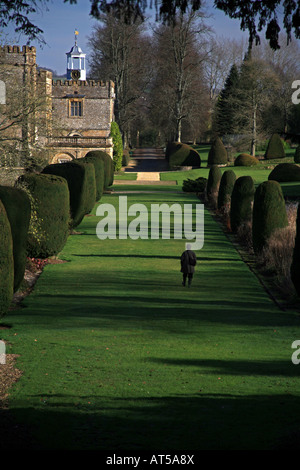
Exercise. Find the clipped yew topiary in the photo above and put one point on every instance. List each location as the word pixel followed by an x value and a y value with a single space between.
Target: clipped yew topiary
pixel 269 213
pixel 241 202
pixel 213 182
pixel 275 148
pixel 50 213
pixel 171 148
pixel 217 154
pixel 108 166
pixel 284 172
pixel 76 176
pixel 295 265
pixel 244 159
pixel 297 155
pixel 225 189
pixel 18 209
pixel 184 155
pixel 89 185
pixel 6 262
pixel 97 161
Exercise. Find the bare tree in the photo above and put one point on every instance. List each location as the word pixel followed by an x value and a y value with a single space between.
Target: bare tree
pixel 222 53
pixel 179 67
pixel 285 64
pixel 120 52
pixel 23 120
pixel 257 84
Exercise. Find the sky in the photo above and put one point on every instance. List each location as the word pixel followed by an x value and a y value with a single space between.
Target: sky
pixel 59 20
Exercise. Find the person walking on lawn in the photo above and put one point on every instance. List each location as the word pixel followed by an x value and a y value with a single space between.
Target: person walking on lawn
pixel 188 262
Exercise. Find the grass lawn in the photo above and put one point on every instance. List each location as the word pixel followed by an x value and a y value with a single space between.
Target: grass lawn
pixel 117 355
pixel 259 173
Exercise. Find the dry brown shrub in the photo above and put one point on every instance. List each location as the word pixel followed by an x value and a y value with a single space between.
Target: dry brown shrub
pixel 277 255
pixel 244 235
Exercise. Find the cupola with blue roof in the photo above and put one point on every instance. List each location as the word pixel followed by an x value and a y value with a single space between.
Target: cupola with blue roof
pixel 76 62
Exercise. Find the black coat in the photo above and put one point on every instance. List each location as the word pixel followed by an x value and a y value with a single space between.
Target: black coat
pixel 188 261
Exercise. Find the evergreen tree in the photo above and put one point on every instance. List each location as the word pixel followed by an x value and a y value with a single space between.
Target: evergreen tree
pixel 225 108
pixel 118 146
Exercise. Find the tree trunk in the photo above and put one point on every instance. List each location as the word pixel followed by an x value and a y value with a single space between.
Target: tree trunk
pixel 254 130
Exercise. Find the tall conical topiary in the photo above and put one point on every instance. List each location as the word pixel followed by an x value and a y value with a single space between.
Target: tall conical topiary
pixel 226 186
pixel 295 266
pixel 217 154
pixel 108 166
pixel 213 182
pixel 241 202
pixel 6 262
pixel 99 172
pixel 18 210
pixel 269 213
pixel 50 213
pixel 275 148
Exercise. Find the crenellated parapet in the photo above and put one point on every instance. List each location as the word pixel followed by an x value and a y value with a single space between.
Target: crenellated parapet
pixel 16 55
pixel 90 88
pixel 83 83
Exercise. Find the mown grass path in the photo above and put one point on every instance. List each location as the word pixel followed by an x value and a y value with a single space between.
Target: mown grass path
pixel 117 355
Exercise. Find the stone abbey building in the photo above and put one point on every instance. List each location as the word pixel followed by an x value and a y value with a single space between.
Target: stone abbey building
pixel 66 118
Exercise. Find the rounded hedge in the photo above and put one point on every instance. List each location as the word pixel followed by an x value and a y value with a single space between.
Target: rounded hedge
pixel 183 155
pixel 89 185
pixel 269 213
pixel 225 189
pixel 50 213
pixel 284 172
pixel 194 186
pixel 6 262
pixel 213 181
pixel 108 166
pixel 76 176
pixel 241 202
pixel 217 154
pixel 295 265
pixel 275 148
pixel 244 159
pixel 97 161
pixel 297 155
pixel 171 148
pixel 18 210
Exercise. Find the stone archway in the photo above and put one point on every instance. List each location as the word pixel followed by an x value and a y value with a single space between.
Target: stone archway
pixel 63 157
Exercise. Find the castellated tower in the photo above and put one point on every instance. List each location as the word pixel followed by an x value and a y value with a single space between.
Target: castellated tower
pixel 83 111
pixel 18 76
pixel 63 118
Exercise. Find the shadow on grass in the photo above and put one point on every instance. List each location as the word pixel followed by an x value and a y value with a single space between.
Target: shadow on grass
pixel 177 258
pixel 235 367
pixel 215 421
pixel 181 315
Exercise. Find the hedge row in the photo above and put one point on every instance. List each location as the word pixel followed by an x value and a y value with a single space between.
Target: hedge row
pixel 37 214
pixel 239 195
pixel 264 207
pixel 6 262
pixel 17 206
